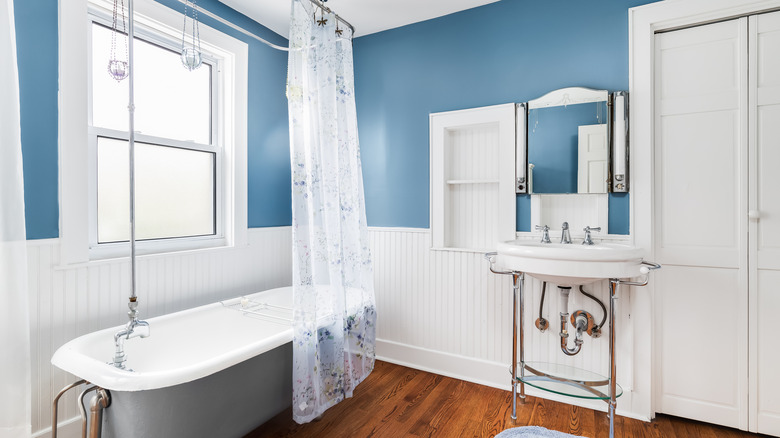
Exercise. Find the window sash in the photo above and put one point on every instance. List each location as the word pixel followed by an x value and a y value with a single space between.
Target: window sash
pixel 211 204
pixel 113 249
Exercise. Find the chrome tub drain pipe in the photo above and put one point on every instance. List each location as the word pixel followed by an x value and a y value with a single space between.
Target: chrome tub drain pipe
pixel 98 402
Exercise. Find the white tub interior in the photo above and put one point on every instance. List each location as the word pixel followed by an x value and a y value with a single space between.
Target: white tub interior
pixel 183 346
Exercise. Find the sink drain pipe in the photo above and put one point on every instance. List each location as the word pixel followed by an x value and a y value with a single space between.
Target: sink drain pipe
pixel 581 324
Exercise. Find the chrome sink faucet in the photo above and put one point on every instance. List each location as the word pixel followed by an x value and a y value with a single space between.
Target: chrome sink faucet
pixel 545 233
pixel 565 236
pixel 587 230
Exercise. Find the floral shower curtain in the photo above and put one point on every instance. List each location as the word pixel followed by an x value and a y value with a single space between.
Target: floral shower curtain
pixel 14 320
pixel 334 317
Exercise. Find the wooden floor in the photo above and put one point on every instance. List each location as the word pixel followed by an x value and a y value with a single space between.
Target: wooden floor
pixel 396 401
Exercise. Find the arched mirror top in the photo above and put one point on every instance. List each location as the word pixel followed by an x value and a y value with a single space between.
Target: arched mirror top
pixel 569 96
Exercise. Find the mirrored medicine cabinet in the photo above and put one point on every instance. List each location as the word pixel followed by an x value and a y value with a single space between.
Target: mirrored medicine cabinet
pixel 572 140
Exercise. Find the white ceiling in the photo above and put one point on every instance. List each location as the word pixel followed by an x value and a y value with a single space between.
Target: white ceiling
pixel 368 16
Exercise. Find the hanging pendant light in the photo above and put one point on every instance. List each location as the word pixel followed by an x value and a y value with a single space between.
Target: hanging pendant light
pixel 118 68
pixel 191 56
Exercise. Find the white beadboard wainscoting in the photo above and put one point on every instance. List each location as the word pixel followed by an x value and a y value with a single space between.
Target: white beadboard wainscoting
pixel 580 210
pixel 438 310
pixel 69 301
pixel 443 311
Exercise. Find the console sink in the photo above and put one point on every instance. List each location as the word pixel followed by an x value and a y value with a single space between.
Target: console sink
pixel 570 264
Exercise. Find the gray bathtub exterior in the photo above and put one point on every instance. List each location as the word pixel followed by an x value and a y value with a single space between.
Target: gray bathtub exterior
pixel 230 403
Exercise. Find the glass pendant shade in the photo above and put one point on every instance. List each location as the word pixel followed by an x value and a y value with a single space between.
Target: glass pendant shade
pixel 118 69
pixel 118 65
pixel 191 58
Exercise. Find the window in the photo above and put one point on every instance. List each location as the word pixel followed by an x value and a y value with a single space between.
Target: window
pixel 190 137
pixel 176 157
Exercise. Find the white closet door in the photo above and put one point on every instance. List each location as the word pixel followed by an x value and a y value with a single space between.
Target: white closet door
pixel 765 222
pixel 592 159
pixel 700 154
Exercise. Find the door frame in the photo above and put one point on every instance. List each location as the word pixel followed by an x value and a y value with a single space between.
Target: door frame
pixel 644 22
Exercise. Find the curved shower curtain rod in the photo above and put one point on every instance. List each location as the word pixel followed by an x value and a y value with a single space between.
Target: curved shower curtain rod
pixel 250 34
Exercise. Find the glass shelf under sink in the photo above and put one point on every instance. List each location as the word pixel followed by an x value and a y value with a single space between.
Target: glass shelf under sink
pixel 567 380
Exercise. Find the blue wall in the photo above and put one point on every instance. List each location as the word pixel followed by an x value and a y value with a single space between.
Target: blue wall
pixel 268 142
pixel 509 51
pixel 37 55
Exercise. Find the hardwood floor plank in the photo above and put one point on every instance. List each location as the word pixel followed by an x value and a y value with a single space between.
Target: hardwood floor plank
pixel 575 421
pixel 396 401
pixel 465 425
pixel 494 415
pixel 587 422
pixel 438 415
pixel 395 414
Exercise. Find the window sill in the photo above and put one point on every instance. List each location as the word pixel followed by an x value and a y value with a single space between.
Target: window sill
pixel 121 253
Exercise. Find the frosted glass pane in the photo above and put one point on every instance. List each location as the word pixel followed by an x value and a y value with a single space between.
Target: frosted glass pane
pixel 170 101
pixel 174 192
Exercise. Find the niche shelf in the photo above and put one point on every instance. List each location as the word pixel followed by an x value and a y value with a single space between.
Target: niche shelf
pixel 472 178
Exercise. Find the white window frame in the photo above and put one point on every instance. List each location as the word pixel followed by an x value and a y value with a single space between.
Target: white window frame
pixel 117 249
pixel 78 207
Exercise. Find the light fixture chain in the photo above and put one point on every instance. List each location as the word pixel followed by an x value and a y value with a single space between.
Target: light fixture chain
pixel 118 68
pixel 191 57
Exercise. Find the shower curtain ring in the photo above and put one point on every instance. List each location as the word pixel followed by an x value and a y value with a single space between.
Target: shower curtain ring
pixel 322 21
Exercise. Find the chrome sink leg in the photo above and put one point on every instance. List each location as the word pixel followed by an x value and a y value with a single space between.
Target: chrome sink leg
pixel 613 288
pixel 517 323
pixel 514 347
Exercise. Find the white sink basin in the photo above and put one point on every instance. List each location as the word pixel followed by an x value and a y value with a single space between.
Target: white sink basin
pixel 570 264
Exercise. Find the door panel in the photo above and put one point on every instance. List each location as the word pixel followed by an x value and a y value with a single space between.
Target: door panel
pixel 700 220
pixel 768 189
pixel 592 157
pixel 696 205
pixel 699 366
pixel 767 390
pixel 764 232
pixel 767 107
pixel 701 92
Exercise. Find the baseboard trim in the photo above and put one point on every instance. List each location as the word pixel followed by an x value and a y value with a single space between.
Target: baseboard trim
pixel 70 428
pixel 481 372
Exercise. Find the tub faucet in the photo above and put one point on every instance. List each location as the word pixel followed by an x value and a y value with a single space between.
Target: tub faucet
pixel 133 329
pixel 565 236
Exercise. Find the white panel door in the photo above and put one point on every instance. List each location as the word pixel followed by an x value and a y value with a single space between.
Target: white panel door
pixel 700 154
pixel 592 157
pixel 764 225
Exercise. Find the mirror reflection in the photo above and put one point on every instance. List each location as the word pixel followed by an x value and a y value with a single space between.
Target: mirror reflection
pixel 568 148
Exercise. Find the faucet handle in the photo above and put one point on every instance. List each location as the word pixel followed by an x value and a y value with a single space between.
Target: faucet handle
pixel 587 230
pixel 545 233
